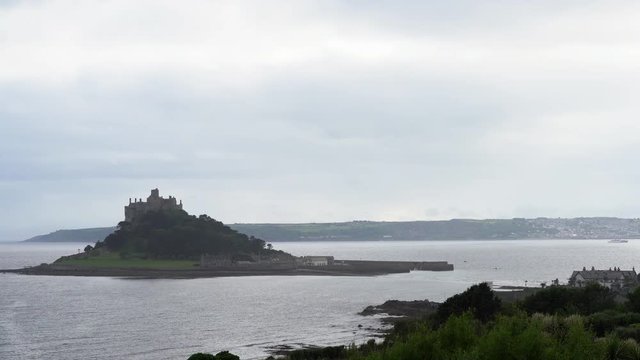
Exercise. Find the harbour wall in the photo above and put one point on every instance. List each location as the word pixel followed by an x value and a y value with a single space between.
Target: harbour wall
pixel 398 266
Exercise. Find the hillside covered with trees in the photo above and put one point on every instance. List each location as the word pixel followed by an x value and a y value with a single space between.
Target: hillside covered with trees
pixel 175 234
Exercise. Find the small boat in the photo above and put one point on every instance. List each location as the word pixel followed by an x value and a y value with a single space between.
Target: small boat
pixel 618 241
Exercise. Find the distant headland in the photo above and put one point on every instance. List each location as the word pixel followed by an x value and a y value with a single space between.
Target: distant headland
pixel 159 239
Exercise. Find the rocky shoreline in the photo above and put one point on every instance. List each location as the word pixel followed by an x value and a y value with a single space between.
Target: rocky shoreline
pixel 398 308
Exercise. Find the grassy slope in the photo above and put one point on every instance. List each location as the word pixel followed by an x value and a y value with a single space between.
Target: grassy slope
pixel 113 260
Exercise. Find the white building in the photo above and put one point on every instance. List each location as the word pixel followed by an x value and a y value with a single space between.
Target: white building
pixel 316 260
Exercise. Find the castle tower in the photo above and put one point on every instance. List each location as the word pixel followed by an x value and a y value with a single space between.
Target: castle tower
pixel 155 193
pixel 154 203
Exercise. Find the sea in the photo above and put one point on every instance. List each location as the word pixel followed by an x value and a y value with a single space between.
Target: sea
pixel 48 317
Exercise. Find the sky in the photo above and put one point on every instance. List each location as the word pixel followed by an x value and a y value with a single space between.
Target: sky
pixel 317 111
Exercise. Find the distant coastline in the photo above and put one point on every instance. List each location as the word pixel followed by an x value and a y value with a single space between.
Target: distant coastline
pixel 88 235
pixel 455 229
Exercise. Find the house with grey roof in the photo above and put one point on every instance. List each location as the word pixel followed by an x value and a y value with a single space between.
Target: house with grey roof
pixel 614 279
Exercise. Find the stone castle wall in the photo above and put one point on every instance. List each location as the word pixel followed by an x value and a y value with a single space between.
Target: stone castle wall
pixel 154 202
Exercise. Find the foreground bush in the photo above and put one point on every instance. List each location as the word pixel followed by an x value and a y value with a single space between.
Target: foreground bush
pixel 513 337
pixel 201 356
pixel 479 300
pixel 607 321
pixel 329 352
pixel 223 355
pixel 565 300
pixel 556 324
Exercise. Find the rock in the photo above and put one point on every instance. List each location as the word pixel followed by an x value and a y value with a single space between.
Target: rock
pixel 415 308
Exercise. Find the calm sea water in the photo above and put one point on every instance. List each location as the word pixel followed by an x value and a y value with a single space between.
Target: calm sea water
pixel 109 318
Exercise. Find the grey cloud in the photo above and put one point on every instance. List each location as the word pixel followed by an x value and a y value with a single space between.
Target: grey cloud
pixel 329 135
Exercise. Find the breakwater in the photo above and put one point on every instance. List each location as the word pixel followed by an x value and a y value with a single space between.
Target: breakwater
pixel 398 266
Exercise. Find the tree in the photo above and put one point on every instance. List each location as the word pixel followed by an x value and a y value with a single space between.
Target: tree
pixel 88 248
pixel 634 300
pixel 222 355
pixel 225 355
pixel 176 234
pixel 201 356
pixel 478 299
pixel 566 300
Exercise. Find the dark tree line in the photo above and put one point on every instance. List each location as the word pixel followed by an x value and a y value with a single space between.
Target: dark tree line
pixel 567 300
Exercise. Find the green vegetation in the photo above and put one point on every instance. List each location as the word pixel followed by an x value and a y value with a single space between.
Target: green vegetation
pixel 479 300
pixel 507 337
pixel 115 260
pixel 223 355
pixel 557 323
pixel 634 301
pixel 202 356
pixel 329 352
pixel 563 300
pixel 456 229
pixel 174 234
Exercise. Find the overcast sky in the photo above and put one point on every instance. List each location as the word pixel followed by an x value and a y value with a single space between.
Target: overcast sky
pixel 315 111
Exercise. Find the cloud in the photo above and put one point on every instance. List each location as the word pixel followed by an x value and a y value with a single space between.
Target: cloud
pixel 318 110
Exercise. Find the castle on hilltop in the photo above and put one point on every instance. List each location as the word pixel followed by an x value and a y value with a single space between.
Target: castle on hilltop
pixel 154 202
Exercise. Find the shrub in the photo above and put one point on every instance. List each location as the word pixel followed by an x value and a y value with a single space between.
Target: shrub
pixel 225 355
pixel 564 300
pixel 634 300
pixel 201 356
pixel 478 299
pixel 329 352
pixel 631 332
pixel 606 321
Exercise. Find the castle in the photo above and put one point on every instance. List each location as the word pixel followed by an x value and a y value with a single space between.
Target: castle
pixel 154 203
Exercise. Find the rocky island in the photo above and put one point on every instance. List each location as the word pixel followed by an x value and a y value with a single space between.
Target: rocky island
pixel 159 239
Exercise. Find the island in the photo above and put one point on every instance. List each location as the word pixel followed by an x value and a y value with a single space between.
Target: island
pixel 159 239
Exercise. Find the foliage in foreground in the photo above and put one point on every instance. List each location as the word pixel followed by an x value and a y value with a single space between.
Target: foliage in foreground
pixel 566 300
pixel 329 352
pixel 223 355
pixel 557 323
pixel 508 337
pixel 478 299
